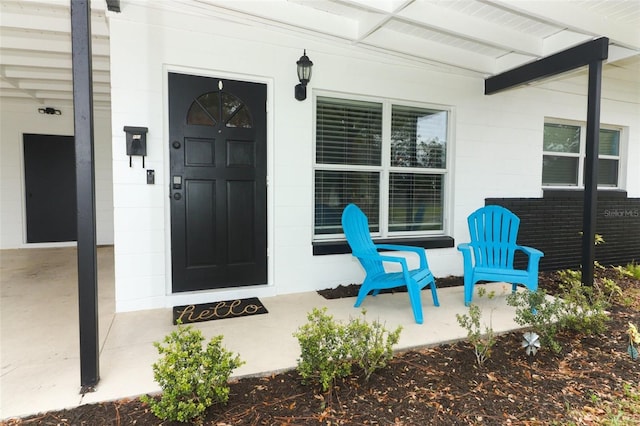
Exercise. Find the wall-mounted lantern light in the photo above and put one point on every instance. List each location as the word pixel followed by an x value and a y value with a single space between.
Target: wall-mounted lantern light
pixel 304 75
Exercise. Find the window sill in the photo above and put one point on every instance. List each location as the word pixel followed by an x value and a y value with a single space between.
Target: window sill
pixel 321 248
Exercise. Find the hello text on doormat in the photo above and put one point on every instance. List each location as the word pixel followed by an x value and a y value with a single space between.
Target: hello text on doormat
pixel 218 310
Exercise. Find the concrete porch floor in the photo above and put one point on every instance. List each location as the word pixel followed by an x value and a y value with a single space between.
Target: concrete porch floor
pixel 39 337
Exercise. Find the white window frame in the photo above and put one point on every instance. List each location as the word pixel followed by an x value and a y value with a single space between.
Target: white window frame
pixel 385 169
pixel 581 154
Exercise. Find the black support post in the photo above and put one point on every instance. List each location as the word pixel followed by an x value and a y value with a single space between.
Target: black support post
pixel 591 172
pixel 591 53
pixel 85 178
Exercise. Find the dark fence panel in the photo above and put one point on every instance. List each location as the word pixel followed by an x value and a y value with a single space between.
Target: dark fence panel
pixel 553 224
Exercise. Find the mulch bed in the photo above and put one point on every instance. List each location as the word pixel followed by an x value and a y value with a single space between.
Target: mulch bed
pixel 441 385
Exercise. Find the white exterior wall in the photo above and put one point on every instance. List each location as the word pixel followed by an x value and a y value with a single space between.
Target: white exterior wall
pixel 495 148
pixel 19 118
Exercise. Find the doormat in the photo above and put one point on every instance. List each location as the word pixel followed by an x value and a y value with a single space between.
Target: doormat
pixel 218 310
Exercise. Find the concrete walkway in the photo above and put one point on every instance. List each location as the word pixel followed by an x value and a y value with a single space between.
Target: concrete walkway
pixel 39 353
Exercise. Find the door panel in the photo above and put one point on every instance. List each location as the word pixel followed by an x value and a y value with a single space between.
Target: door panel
pixel 218 182
pixel 50 188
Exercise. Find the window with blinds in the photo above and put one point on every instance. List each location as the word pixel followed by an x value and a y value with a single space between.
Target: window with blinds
pixel 564 148
pixel 388 159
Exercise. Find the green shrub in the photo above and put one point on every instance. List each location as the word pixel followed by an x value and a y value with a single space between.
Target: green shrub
pixel 584 307
pixel 633 269
pixel 577 308
pixel 482 342
pixel 191 379
pixel 533 309
pixel 324 349
pixel 372 344
pixel 329 348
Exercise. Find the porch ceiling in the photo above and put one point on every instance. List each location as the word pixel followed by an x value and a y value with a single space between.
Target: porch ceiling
pixel 476 37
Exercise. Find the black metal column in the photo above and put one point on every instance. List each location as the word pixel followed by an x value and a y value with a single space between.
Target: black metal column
pixel 591 53
pixel 85 178
pixel 591 172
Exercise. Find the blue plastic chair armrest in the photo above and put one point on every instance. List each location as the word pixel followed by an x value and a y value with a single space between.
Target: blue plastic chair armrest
pixel 377 257
pixel 464 247
pixel 417 250
pixel 396 247
pixel 530 251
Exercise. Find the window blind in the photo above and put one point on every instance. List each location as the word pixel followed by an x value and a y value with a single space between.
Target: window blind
pixel 348 132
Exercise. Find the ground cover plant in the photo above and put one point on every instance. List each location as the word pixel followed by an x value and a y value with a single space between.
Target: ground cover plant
pixel 592 379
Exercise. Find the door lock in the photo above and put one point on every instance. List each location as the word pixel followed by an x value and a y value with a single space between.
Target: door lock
pixel 177 182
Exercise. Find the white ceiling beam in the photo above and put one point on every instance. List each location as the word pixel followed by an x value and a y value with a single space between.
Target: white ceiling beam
pixel 46 60
pixel 512 60
pixel 44 94
pixel 617 53
pixel 15 93
pixel 370 24
pixel 287 13
pixel 468 27
pixel 50 74
pixel 59 86
pixel 563 40
pixel 45 17
pixel 431 51
pixel 576 17
pixel 55 42
pixel 376 13
pixel 385 6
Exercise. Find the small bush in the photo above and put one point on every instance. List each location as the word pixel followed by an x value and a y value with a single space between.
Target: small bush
pixel 584 307
pixel 324 349
pixel 541 314
pixel 577 308
pixel 482 342
pixel 372 344
pixel 191 379
pixel 633 269
pixel 329 348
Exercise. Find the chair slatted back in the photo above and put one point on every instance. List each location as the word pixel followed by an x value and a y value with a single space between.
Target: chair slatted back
pixel 494 231
pixel 356 228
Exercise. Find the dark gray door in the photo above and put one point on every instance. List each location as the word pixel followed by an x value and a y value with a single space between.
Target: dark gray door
pixel 218 156
pixel 50 188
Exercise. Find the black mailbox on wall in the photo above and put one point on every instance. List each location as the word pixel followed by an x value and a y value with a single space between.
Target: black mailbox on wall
pixel 136 142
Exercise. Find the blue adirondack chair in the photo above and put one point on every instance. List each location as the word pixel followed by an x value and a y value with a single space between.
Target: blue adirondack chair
pixel 489 255
pixel 356 228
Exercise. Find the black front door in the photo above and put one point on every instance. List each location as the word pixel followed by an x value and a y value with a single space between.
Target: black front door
pixel 50 188
pixel 218 161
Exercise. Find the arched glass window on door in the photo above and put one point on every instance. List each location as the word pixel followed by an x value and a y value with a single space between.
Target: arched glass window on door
pixel 214 108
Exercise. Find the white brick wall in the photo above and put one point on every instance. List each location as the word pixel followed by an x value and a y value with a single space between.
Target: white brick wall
pixel 496 146
pixel 23 117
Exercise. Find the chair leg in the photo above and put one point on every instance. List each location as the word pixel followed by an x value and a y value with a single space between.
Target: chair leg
pixel 416 303
pixel 362 293
pixel 434 293
pixel 468 290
